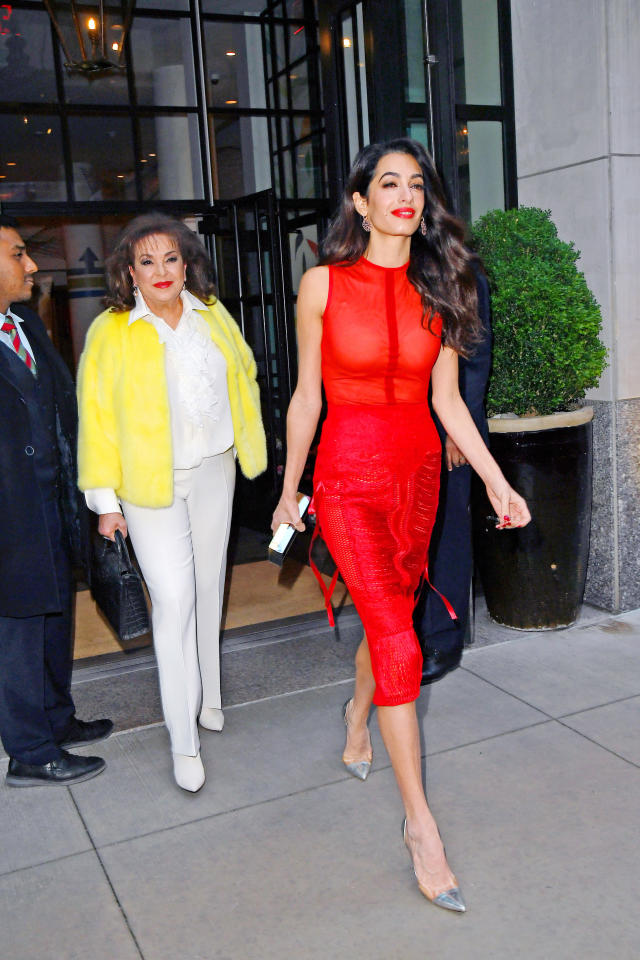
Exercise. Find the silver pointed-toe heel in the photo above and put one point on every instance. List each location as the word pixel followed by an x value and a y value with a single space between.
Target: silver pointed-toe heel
pixel 449 899
pixel 357 768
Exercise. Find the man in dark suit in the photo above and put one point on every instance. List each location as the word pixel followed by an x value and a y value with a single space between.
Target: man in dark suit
pixel 41 535
pixel 450 553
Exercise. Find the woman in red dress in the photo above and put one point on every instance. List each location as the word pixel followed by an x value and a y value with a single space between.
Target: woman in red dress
pixel 385 315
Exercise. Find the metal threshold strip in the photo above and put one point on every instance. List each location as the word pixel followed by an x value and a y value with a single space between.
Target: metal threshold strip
pixel 232 641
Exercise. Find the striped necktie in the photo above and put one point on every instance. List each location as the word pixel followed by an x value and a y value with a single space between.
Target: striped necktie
pixel 9 327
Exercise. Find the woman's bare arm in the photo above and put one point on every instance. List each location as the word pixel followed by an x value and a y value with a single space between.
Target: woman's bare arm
pixel 306 402
pixel 459 425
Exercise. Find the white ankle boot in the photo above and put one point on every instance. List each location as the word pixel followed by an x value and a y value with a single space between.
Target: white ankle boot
pixel 212 718
pixel 188 771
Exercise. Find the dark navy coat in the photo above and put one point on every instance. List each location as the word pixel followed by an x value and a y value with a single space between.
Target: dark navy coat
pixel 28 583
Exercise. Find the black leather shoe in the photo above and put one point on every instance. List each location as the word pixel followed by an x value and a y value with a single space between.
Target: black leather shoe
pixel 67 769
pixel 437 665
pixel 82 731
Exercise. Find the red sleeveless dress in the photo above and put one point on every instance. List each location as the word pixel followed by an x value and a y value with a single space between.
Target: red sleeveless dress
pixel 377 471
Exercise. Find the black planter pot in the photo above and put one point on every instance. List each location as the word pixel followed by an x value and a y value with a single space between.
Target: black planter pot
pixel 534 578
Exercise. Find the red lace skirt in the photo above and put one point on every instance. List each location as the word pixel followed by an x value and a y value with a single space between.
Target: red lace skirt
pixel 376 494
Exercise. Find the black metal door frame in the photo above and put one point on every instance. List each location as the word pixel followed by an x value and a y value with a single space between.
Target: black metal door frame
pixel 388 118
pixel 248 241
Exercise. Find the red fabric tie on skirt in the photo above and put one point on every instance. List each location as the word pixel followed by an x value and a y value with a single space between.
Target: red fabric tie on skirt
pixel 376 494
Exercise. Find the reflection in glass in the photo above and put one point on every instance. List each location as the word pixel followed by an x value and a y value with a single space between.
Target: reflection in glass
pixel 476 52
pixel 299 87
pixel 308 175
pixel 364 104
pixel 169 163
pixel 419 131
pixel 26 57
pixel 242 155
pixel 102 157
pixel 297 40
pixel 31 167
pixel 414 32
pixel 236 80
pixel 163 4
pixel 351 97
pixel 480 168
pixel 163 62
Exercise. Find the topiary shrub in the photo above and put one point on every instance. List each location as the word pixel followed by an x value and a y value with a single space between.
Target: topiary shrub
pixel 546 322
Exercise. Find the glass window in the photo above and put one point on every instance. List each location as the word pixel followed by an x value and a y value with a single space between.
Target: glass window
pixel 308 175
pixel 361 67
pixel 297 41
pixel 301 127
pixel 252 8
pixel 480 168
pixel 285 131
pixel 242 155
pixel 162 4
pixel 107 89
pixel 294 9
pixel 299 87
pixel 414 30
pixel 477 52
pixel 31 167
pixel 351 97
pixel 26 56
pixel 102 157
pixel 235 67
pixel 281 59
pixel 355 80
pixel 169 162
pixel 163 62
pixel 419 131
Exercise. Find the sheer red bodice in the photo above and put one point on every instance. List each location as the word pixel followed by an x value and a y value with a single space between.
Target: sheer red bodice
pixel 375 346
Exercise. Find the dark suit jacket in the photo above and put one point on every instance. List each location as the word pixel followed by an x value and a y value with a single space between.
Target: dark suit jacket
pixel 28 585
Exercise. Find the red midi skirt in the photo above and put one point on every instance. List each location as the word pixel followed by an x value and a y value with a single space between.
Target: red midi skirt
pixel 376 487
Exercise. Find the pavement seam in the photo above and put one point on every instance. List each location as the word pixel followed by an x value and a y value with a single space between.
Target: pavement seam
pixel 43 863
pixel 550 716
pixel 318 786
pixel 108 878
pixel 597 743
pixel 599 706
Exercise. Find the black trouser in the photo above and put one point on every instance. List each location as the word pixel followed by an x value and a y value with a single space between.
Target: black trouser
pixel 450 562
pixel 36 659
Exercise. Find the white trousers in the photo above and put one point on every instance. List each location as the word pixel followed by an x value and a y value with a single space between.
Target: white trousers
pixel 182 552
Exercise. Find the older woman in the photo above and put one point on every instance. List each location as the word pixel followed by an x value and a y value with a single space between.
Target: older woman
pixel 167 390
pixel 385 315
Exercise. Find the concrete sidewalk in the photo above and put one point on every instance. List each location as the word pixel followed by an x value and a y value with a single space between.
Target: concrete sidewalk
pixel 532 756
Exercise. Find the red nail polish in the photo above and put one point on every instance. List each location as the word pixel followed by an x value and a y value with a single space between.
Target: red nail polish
pixel 506 519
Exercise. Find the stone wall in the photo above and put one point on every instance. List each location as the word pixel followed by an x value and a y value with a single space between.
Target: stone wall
pixel 577 73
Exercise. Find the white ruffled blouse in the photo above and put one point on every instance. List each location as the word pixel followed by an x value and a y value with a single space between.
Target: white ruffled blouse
pixel 196 370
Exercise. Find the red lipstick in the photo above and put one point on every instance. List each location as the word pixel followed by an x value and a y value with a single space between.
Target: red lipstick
pixel 406 213
pixel 163 284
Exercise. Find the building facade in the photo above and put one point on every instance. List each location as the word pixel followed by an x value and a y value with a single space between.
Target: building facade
pixel 246 121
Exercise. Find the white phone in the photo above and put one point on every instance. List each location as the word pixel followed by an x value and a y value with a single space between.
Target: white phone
pixel 283 537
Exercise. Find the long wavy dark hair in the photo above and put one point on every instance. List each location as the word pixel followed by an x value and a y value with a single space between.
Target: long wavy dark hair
pixel 199 279
pixel 441 268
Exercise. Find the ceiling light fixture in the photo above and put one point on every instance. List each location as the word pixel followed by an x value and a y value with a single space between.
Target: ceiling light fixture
pixel 92 60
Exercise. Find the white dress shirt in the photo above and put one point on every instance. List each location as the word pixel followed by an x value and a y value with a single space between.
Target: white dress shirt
pixel 196 371
pixel 5 338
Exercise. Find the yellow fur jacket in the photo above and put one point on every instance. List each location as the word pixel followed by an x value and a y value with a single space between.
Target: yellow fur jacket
pixel 124 437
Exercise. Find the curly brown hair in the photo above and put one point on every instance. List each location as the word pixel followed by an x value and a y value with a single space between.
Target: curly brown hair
pixel 441 268
pixel 199 280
